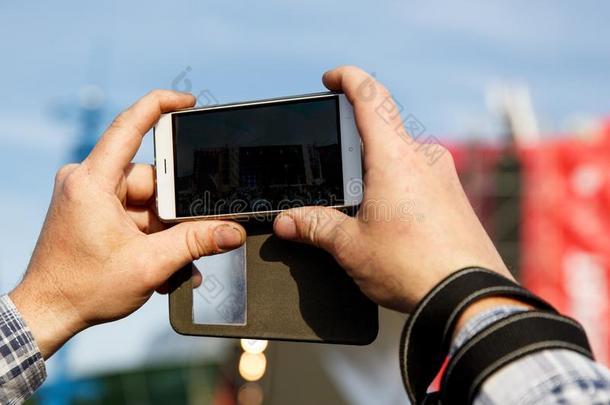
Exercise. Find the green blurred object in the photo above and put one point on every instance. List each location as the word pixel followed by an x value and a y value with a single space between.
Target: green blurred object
pixel 176 384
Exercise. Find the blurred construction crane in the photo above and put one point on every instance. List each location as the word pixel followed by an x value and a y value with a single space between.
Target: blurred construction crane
pixel 61 388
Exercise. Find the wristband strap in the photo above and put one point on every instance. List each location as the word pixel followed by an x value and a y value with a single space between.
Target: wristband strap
pixel 505 341
pixel 427 334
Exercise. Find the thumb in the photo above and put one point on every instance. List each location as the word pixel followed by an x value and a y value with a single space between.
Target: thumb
pixel 181 244
pixel 323 227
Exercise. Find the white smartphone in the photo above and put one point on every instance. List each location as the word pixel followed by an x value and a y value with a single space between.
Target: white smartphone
pixel 257 158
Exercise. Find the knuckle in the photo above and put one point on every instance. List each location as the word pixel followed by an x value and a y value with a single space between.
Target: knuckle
pixel 383 92
pixel 120 120
pixel 73 185
pixel 314 221
pixel 199 243
pixel 64 171
pixel 157 95
pixel 445 157
pixel 352 70
pixel 125 123
pixel 356 75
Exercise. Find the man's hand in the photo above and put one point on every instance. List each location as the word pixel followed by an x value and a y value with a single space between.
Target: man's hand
pixel 95 260
pixel 415 225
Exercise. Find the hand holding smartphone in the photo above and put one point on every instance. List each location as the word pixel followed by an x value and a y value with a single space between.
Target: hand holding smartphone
pixel 257 158
pixel 253 160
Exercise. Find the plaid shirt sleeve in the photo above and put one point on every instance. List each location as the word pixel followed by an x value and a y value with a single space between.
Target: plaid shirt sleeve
pixel 554 376
pixel 22 368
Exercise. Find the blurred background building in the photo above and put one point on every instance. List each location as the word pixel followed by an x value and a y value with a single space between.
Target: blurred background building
pixel 518 90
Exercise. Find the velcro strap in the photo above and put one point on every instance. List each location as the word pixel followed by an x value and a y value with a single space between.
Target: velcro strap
pixel 503 342
pixel 427 334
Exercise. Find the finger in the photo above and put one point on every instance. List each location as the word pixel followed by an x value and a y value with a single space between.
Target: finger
pixel 145 219
pixel 375 110
pixel 186 242
pixel 324 227
pixel 196 279
pixel 140 183
pixel 119 144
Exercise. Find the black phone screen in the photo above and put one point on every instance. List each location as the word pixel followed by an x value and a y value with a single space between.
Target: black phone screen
pixel 257 158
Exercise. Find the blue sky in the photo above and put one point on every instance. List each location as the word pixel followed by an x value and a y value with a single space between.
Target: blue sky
pixel 436 57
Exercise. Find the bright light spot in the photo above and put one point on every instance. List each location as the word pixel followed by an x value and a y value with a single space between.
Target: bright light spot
pixel 252 366
pixel 254 346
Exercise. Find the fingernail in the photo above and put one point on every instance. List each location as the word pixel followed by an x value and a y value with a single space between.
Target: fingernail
pixel 286 227
pixel 227 237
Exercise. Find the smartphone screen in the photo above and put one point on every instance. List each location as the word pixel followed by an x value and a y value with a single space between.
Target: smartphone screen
pixel 258 158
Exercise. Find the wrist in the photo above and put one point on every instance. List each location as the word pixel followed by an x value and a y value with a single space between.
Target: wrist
pixel 51 320
pixel 485 304
pixel 432 275
pixel 427 336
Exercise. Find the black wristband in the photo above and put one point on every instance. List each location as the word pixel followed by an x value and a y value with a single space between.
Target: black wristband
pixel 502 342
pixel 427 334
